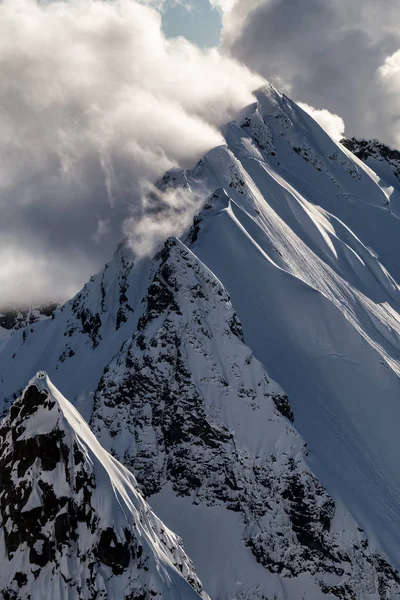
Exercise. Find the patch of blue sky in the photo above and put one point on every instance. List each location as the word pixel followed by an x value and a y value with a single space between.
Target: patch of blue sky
pixel 196 20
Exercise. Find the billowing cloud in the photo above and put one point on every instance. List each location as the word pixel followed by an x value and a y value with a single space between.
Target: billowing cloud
pixel 224 5
pixel 166 213
pixel 94 102
pixel 328 54
pixel 388 79
pixel 333 124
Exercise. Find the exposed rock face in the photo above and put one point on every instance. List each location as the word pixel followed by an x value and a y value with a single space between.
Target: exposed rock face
pixel 72 523
pixel 103 310
pixel 185 402
pixel 367 149
pixel 87 318
pixel 12 317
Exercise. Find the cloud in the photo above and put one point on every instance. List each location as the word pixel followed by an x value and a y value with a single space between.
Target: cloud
pixel 388 79
pixel 327 54
pixel 168 212
pixel 333 124
pixel 94 101
pixel 224 5
pixel 30 273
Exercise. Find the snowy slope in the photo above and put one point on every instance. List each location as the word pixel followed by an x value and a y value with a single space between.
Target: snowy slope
pixel 73 524
pixel 382 159
pixel 209 437
pixel 14 317
pixel 296 246
pixel 304 237
pixel 82 337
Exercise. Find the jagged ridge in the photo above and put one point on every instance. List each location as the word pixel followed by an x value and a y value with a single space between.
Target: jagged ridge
pixel 185 402
pixel 73 524
pixel 304 238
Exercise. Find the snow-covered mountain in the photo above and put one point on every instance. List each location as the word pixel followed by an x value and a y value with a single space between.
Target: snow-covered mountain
pixel 380 157
pixel 290 273
pixel 384 161
pixel 192 412
pixel 14 317
pixel 72 522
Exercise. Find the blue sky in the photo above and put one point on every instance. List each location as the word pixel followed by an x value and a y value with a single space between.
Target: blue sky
pixel 196 20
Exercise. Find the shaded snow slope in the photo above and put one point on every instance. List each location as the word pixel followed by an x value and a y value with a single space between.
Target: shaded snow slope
pixel 83 336
pixel 382 159
pixel 14 317
pixel 73 524
pixel 309 251
pixel 208 435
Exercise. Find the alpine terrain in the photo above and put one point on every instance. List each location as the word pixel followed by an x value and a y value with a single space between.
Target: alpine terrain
pixel 246 374
pixel 72 521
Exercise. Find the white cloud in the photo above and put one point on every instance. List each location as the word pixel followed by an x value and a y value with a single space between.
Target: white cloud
pixel 333 124
pixel 388 76
pixel 390 70
pixel 225 5
pixel 94 100
pixel 31 273
pixel 166 213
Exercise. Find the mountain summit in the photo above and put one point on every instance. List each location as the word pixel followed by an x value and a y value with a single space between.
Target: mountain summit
pixel 248 372
pixel 72 521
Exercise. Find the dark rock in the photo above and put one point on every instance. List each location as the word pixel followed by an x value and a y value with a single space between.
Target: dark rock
pixel 283 405
pixel 113 553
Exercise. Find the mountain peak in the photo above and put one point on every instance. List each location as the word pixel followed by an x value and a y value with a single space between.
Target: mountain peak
pixel 72 521
pixel 268 98
pixel 288 274
pixel 35 398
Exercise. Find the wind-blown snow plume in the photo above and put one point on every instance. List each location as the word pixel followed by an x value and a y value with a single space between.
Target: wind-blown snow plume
pixel 333 124
pixel 94 101
pixel 166 212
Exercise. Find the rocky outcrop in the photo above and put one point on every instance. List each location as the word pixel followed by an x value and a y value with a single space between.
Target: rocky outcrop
pixel 13 317
pixel 186 403
pixel 365 149
pixel 72 523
